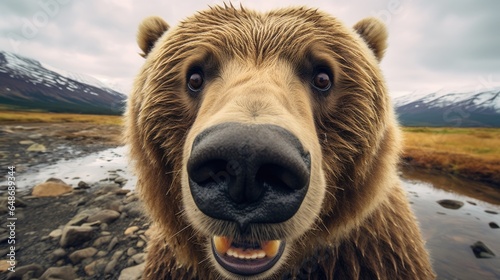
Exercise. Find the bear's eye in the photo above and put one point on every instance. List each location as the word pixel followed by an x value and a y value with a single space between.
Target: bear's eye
pixel 322 81
pixel 195 81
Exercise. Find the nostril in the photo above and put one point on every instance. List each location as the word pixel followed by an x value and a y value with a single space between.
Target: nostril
pixel 248 173
pixel 278 178
pixel 210 172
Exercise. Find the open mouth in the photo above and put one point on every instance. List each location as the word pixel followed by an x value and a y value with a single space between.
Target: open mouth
pixel 246 257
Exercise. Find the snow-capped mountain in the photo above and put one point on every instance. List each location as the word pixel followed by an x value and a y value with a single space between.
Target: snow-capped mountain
pixel 28 84
pixel 478 107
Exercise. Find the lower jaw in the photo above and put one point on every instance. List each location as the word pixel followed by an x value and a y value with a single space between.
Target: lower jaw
pixel 254 263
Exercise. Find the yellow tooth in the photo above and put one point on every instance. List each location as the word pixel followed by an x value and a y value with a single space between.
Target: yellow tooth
pixel 222 244
pixel 271 247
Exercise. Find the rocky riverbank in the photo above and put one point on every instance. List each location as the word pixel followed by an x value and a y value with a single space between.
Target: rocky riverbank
pixel 25 145
pixel 96 230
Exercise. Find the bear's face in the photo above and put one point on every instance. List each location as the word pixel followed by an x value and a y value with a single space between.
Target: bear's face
pixel 255 133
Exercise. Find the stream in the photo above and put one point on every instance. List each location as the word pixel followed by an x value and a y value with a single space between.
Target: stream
pixel 449 230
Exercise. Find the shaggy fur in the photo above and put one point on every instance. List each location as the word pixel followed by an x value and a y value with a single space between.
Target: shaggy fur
pixel 355 222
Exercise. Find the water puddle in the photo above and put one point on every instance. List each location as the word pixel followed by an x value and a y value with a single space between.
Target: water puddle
pixel 452 222
pixel 90 169
pixel 467 212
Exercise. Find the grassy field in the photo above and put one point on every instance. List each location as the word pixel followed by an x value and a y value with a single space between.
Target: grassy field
pixel 469 152
pixel 33 117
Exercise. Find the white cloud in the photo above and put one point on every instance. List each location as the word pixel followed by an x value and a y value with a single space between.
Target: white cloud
pixel 431 44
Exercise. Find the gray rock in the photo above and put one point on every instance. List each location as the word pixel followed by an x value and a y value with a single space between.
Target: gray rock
pixel 110 267
pixel 140 243
pixel 131 251
pixel 55 180
pixel 73 236
pixel 104 226
pixel 101 254
pixel 92 224
pixel 33 270
pixel 82 216
pixel 102 240
pixel 56 234
pixel 83 185
pixel 451 204
pixel 131 230
pixel 105 216
pixel 113 243
pixel 95 267
pixel 57 254
pixel 132 273
pixel 26 142
pixel 60 273
pixel 117 254
pixel 131 197
pixel 35 136
pixel 122 192
pixel 78 220
pixel 38 148
pixel 481 251
pixel 134 209
pixel 78 255
pixel 120 180
pixel 139 258
pixel 107 187
pixel 105 201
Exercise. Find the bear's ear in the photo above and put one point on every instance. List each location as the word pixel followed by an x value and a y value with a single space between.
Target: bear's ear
pixel 150 30
pixel 374 32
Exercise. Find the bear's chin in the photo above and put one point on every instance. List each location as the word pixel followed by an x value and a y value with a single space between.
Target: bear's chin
pixel 246 258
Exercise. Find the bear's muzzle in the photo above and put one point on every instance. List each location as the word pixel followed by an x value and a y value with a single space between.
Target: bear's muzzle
pixel 248 173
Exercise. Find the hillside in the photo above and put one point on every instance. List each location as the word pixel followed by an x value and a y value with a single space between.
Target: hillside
pixel 450 108
pixel 28 84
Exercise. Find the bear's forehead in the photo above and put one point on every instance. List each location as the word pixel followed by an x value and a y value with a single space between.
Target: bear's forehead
pixel 247 32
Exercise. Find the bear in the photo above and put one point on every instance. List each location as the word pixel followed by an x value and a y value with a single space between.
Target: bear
pixel 266 147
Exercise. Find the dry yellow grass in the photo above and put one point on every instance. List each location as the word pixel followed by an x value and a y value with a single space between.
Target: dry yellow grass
pixel 469 152
pixel 44 117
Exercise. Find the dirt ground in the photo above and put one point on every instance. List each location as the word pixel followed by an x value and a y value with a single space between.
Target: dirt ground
pixel 60 140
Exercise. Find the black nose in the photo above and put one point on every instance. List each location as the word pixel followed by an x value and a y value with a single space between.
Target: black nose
pixel 248 173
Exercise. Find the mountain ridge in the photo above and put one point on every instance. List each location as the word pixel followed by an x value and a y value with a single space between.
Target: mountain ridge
pixel 26 83
pixel 458 108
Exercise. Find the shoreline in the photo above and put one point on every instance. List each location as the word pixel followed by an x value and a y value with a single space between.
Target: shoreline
pixel 458 166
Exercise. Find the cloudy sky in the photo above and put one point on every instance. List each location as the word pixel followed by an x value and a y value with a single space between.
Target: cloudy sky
pixel 432 45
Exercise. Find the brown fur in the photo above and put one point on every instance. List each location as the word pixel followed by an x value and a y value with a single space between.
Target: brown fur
pixel 355 222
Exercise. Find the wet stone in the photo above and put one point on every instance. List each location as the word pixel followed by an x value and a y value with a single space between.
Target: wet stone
pixel 57 254
pixel 83 185
pixel 77 256
pixel 113 243
pixel 61 273
pixel 451 204
pixel 110 267
pixel 73 236
pixel 105 216
pixel 132 273
pixel 481 251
